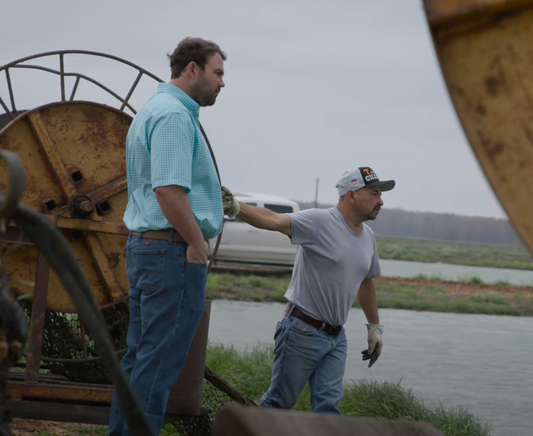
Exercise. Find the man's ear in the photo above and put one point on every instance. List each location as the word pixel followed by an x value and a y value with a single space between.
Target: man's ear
pixel 192 68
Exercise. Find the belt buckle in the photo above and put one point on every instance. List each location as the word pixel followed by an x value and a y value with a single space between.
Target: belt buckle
pixel 332 329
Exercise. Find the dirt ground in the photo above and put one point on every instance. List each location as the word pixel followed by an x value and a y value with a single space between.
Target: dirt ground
pixel 32 427
pixel 519 298
pixel 462 288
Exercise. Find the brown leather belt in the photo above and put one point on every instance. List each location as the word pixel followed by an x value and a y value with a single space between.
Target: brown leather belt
pixel 160 234
pixel 333 330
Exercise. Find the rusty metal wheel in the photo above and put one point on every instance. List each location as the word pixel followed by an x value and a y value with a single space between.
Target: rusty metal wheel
pixel 74 156
pixel 485 55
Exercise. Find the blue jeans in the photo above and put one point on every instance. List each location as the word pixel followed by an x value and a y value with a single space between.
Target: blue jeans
pixel 166 301
pixel 302 353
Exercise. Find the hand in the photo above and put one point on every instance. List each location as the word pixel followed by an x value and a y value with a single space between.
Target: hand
pixel 230 204
pixel 375 344
pixel 197 253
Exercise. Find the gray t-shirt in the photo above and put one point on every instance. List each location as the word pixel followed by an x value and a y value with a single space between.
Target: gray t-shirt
pixel 331 262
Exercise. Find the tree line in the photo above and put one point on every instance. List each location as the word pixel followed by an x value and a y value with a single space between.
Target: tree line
pixel 441 226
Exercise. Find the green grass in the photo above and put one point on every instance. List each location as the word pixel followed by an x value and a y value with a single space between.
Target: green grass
pixel 478 304
pixel 246 287
pixel 434 289
pixel 250 372
pixel 486 298
pixel 399 294
pixel 519 297
pixel 501 283
pixel 466 305
pixel 421 250
pixel 424 277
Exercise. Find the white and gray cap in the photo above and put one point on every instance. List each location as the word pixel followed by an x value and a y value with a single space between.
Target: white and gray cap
pixel 361 177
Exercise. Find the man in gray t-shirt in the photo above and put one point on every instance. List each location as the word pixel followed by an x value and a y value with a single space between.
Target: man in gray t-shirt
pixel 336 262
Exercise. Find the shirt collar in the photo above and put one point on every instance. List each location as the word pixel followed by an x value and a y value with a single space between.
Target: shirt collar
pixel 180 95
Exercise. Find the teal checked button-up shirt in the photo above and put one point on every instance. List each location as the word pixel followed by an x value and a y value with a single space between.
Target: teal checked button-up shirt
pixel 165 146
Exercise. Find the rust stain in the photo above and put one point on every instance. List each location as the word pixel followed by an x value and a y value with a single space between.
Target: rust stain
pixel 460 92
pixel 113 260
pixel 110 190
pixel 529 134
pixel 442 13
pixel 503 78
pixel 492 85
pixel 481 109
pixel 496 150
pixel 61 392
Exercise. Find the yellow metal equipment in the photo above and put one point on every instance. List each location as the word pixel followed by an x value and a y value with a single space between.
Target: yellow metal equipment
pixel 74 157
pixel 484 50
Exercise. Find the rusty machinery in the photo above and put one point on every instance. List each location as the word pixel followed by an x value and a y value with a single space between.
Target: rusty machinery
pixel 73 153
pixel 55 249
pixel 484 51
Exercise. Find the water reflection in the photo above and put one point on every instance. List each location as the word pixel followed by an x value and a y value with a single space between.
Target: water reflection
pixel 483 363
pixel 401 268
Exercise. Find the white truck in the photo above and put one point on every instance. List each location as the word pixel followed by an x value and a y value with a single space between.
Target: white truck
pixel 243 243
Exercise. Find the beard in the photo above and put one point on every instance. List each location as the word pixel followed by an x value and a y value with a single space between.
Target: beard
pixel 208 100
pixel 373 215
pixel 204 94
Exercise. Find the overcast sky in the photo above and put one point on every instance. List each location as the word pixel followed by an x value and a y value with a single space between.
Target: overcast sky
pixel 313 88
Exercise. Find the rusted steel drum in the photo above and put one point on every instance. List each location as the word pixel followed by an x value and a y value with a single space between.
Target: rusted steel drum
pixel 74 158
pixel 486 56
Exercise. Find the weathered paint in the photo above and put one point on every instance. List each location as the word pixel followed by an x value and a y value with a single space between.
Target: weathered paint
pixel 74 158
pixel 448 12
pixel 72 392
pixel 486 58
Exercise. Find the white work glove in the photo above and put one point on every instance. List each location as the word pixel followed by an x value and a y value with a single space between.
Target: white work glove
pixel 230 204
pixel 375 344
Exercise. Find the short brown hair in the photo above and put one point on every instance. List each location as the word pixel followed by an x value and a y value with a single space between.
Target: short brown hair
pixel 195 50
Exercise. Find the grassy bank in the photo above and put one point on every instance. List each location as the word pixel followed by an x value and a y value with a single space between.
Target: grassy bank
pixel 250 373
pixel 421 250
pixel 422 293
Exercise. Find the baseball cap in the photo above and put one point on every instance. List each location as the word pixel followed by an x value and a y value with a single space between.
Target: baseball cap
pixel 361 177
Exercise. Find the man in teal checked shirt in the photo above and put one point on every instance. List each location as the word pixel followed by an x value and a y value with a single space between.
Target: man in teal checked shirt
pixel 174 206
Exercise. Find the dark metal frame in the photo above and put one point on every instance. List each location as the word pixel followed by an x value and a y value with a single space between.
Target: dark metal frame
pixel 20 64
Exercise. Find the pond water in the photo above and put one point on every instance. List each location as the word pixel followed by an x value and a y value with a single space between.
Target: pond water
pixel 401 268
pixel 480 362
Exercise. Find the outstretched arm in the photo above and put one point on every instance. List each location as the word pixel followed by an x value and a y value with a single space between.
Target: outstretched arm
pixel 259 217
pixel 265 218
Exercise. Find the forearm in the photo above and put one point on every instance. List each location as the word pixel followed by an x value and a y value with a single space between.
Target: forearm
pixel 368 301
pixel 263 218
pixel 176 207
pixel 256 216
